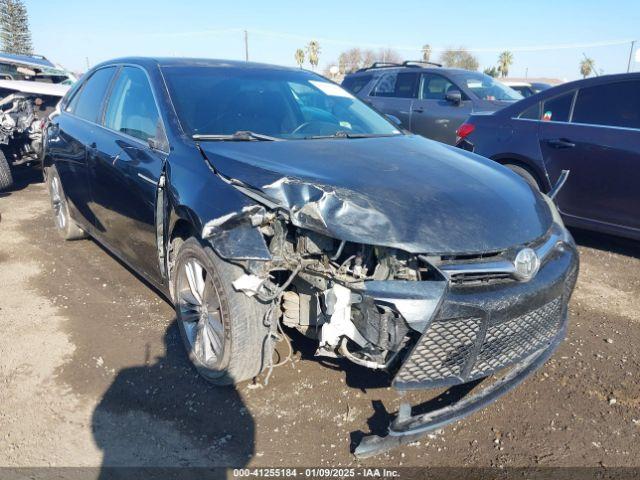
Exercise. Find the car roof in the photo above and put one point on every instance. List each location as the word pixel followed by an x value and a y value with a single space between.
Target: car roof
pixel 566 87
pixel 412 67
pixel 192 62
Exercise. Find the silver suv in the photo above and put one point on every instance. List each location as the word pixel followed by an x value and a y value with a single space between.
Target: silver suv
pixel 428 99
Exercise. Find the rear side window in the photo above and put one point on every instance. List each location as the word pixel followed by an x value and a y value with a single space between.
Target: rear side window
pixel 399 85
pixel 87 103
pixel 558 109
pixel 615 104
pixel 132 109
pixel 356 83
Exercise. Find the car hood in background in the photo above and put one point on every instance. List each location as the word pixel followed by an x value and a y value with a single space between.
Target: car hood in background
pixel 36 88
pixel 405 192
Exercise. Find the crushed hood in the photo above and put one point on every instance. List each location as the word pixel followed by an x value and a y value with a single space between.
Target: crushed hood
pixel 405 192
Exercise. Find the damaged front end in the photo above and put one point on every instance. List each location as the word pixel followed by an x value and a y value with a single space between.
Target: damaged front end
pixel 21 127
pixel 430 320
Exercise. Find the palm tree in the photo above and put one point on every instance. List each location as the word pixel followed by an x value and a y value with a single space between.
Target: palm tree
pixel 586 67
pixel 504 62
pixel 426 52
pixel 299 55
pixel 313 53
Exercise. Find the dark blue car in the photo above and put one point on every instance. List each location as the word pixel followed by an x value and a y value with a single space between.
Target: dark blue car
pixel 258 198
pixel 590 128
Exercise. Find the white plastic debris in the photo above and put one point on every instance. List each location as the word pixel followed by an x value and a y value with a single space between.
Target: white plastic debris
pixel 248 284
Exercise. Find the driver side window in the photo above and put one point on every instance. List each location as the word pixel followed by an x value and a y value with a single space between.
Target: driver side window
pixel 435 87
pixel 132 108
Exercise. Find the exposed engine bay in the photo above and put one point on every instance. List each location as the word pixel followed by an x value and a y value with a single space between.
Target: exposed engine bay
pixel 320 283
pixel 22 118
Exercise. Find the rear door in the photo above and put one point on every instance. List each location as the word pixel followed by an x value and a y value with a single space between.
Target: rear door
pixel 126 170
pixel 71 134
pixel 394 93
pixel 601 148
pixel 432 115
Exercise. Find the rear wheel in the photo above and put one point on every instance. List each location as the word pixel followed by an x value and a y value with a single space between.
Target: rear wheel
pixel 224 331
pixel 6 179
pixel 66 226
pixel 524 173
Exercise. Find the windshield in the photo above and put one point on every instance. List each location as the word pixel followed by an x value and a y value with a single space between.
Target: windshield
pixel 284 104
pixel 486 88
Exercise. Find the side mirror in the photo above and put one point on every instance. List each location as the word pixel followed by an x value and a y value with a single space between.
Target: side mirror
pixel 454 96
pixel 394 119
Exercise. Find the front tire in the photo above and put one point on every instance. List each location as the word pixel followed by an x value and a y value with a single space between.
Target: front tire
pixel 6 179
pixel 224 331
pixel 65 225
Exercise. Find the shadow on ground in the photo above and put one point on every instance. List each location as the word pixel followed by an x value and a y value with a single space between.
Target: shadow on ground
pixel 607 243
pixel 163 414
pixel 23 176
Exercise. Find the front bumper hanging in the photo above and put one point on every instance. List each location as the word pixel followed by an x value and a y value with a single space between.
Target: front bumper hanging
pixel 475 333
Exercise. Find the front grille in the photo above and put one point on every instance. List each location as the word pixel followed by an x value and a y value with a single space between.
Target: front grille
pixel 459 350
pixel 510 341
pixel 443 352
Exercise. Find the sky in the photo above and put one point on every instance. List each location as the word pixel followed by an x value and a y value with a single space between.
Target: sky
pixel 547 37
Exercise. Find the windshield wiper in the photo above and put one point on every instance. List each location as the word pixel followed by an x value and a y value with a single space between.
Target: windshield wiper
pixel 239 136
pixel 343 134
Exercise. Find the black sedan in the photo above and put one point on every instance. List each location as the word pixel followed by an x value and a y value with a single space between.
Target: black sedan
pixel 590 128
pixel 260 198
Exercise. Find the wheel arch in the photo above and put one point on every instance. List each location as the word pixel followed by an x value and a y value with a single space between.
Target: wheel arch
pixel 525 163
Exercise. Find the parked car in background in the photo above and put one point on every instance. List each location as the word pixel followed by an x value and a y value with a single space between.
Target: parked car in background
pixel 34 68
pixel 591 128
pixel 523 88
pixel 25 107
pixel 540 86
pixel 256 196
pixel 429 100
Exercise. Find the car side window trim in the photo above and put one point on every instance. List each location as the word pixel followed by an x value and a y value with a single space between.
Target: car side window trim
pixel 542 104
pixel 78 91
pixel 163 142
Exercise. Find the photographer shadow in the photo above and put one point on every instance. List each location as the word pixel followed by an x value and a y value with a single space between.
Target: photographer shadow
pixel 163 415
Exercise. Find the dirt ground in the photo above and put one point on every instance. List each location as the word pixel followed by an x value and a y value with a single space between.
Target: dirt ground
pixel 92 372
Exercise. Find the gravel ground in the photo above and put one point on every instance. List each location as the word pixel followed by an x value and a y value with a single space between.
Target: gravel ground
pixel 92 372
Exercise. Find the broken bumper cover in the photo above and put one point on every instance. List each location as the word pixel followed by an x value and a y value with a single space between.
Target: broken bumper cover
pixel 406 428
pixel 476 332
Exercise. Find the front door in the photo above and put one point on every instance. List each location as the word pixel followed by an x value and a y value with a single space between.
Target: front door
pixel 126 170
pixel 432 115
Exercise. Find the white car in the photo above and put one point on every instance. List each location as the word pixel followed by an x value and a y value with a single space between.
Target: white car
pixel 523 88
pixel 24 110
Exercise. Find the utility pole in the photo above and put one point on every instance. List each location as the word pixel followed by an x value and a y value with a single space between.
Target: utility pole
pixel 246 46
pixel 633 42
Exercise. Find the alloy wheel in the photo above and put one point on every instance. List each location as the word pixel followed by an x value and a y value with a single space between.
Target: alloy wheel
pixel 57 202
pixel 200 312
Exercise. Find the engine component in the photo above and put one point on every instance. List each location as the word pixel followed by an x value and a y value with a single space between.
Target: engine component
pixel 338 307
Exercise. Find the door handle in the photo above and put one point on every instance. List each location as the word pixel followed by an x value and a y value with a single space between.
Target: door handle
pixel 560 143
pixel 418 109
